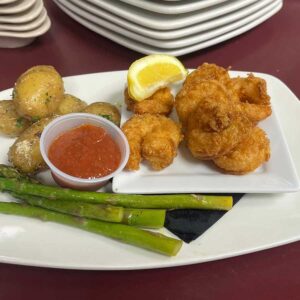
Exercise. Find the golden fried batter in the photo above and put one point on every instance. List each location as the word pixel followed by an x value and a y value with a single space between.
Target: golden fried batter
pixel 252 93
pixel 161 102
pixel 215 128
pixel 188 99
pixel 152 137
pixel 247 155
pixel 207 72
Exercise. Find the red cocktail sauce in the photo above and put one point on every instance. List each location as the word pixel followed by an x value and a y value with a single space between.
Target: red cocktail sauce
pixel 86 151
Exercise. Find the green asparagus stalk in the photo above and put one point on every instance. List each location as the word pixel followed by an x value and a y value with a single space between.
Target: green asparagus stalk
pixel 150 218
pixel 102 212
pixel 131 201
pixel 145 239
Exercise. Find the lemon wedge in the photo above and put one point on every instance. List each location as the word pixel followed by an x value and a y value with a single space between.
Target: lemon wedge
pixel 150 73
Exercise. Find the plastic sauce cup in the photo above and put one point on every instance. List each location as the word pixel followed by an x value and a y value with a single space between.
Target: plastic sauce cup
pixel 67 122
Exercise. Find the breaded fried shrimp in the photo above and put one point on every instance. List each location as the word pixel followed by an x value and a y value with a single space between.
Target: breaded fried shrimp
pixel 215 128
pixel 152 137
pixel 207 72
pixel 188 99
pixel 253 96
pixel 161 102
pixel 247 155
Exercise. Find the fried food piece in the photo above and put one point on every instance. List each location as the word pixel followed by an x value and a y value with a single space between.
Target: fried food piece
pixel 70 104
pixel 215 128
pixel 105 110
pixel 247 155
pixel 11 123
pixel 38 92
pixel 207 72
pixel 161 102
pixel 152 137
pixel 252 93
pixel 189 98
pixel 25 153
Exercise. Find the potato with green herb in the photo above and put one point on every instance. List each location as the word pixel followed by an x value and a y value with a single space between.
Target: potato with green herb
pixel 70 104
pixel 11 123
pixel 25 153
pixel 38 92
pixel 105 110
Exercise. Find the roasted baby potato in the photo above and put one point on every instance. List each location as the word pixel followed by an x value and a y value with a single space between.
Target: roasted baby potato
pixel 70 104
pixel 25 153
pixel 38 92
pixel 105 110
pixel 11 123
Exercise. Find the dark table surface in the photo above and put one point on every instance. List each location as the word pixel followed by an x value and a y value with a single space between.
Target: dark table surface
pixel 274 48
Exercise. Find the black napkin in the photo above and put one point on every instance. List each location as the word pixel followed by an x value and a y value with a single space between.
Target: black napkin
pixel 189 224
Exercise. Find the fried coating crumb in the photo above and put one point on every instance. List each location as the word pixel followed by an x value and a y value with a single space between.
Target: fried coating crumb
pixel 154 138
pixel 215 128
pixel 247 155
pixel 188 99
pixel 253 96
pixel 207 72
pixel 161 102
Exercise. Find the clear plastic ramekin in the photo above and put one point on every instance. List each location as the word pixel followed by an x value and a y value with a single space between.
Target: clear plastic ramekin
pixel 65 123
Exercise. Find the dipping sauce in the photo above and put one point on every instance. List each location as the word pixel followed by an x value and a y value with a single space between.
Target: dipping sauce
pixel 86 151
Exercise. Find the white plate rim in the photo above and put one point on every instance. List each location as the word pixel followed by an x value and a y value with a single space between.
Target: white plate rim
pixel 43 28
pixel 16 7
pixel 25 26
pixel 25 16
pixel 176 8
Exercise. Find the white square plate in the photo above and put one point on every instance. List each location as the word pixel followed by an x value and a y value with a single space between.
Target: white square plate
pixel 188 175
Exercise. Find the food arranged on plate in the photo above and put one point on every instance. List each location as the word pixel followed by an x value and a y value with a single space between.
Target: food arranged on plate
pixel 217 115
pixel 217 121
pixel 154 138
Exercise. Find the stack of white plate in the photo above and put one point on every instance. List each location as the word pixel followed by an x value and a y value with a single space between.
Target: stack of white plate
pixel 21 21
pixel 172 27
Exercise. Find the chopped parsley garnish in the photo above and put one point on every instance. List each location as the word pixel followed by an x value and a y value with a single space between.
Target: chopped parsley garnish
pixel 20 122
pixel 108 117
pixel 35 118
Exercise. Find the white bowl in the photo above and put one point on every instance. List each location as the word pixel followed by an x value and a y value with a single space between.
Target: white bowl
pixel 10 39
pixel 24 16
pixel 69 121
pixel 28 26
pixel 4 2
pixel 16 7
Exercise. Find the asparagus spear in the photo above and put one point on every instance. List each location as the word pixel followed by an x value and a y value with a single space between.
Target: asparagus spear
pixel 124 200
pixel 102 212
pixel 145 239
pixel 151 218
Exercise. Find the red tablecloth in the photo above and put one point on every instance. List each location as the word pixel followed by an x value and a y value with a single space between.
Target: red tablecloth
pixel 274 48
